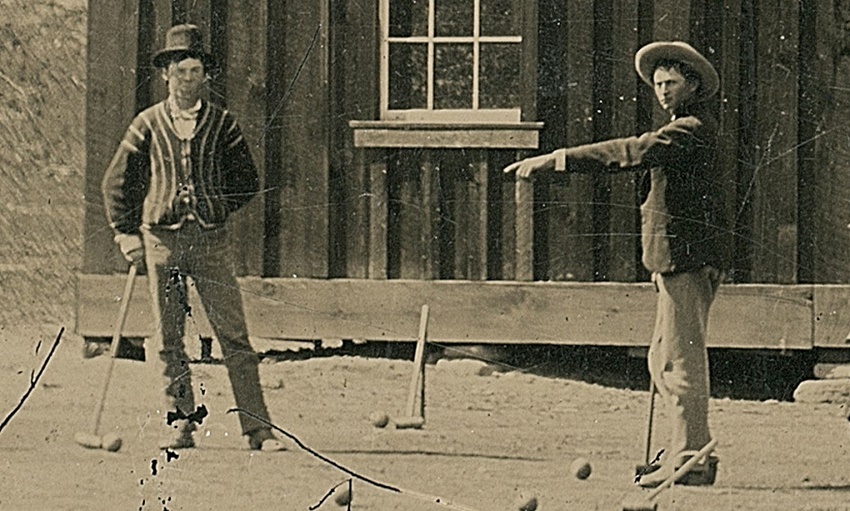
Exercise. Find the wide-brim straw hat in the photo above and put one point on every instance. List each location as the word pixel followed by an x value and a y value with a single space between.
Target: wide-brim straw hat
pixel 647 57
pixel 184 41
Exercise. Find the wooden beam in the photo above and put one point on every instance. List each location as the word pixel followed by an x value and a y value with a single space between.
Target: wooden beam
pixel 495 214
pixel 830 66
pixel 417 176
pixel 467 212
pixel 110 107
pixel 747 134
pixel 623 214
pixel 479 182
pixel 429 231
pixel 304 159
pixel 508 224
pixel 356 57
pixel 378 201
pixel 199 12
pixel 524 245
pixel 728 66
pixel 245 83
pixel 810 114
pixel 529 64
pixel 551 109
pixel 605 314
pixel 672 22
pixel 163 19
pixel 458 215
pixel 601 96
pixel 832 316
pixel 278 92
pixel 570 242
pixel 358 203
pixel 775 179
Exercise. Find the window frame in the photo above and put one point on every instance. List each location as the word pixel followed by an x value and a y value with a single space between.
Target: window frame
pixel 474 115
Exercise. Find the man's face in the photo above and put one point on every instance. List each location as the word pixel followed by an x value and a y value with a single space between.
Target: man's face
pixel 185 81
pixel 672 89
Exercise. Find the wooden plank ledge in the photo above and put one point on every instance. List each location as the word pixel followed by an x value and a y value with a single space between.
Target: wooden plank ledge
pixel 478 312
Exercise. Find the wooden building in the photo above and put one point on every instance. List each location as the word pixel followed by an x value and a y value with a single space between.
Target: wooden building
pixel 381 128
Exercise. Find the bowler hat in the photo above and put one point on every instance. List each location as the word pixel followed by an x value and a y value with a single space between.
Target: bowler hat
pixel 184 41
pixel 647 57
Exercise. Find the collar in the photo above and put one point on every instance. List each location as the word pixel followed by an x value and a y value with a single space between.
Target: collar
pixel 689 108
pixel 189 114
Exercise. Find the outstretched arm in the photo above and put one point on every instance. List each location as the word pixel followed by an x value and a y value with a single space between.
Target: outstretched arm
pixel 655 147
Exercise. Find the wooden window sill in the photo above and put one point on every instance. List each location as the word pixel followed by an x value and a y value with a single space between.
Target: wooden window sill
pixel 395 134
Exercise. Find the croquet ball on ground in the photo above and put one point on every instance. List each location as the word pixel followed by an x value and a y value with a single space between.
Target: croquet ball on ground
pixel 580 468
pixel 343 496
pixel 111 442
pixel 379 419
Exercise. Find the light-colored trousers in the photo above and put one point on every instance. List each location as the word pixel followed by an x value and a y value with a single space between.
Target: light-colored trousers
pixel 678 359
pixel 204 255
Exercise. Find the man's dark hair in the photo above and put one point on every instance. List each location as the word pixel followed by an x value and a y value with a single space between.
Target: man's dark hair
pixel 683 68
pixel 211 68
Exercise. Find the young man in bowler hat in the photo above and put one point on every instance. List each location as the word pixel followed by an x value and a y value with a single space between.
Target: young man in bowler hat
pixel 181 169
pixel 680 235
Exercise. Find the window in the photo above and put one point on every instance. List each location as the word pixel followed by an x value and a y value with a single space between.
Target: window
pixel 451 60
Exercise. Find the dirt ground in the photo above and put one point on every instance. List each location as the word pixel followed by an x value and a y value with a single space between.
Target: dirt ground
pixel 490 438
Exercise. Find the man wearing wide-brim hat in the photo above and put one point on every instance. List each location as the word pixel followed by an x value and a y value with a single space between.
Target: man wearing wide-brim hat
pixel 182 168
pixel 680 234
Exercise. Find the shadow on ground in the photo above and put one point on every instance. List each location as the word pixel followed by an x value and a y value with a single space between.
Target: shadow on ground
pixel 736 374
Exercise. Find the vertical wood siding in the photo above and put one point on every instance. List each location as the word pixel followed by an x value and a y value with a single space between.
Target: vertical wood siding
pixel 296 72
pixel 110 106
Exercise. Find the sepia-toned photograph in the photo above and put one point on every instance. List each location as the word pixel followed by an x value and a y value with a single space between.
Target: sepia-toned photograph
pixel 415 255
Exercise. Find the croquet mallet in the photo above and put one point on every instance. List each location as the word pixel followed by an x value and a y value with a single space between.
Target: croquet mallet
pixel 416 416
pixel 94 440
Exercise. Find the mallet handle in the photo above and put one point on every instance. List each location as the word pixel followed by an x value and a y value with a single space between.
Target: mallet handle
pixel 113 349
pixel 417 380
pixel 648 444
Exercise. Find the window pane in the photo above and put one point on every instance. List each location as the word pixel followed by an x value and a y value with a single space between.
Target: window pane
pixel 453 76
pixel 499 76
pixel 500 17
pixel 408 18
pixel 408 76
pixel 453 17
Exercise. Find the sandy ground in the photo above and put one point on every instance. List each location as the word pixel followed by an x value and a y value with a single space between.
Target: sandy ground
pixel 489 439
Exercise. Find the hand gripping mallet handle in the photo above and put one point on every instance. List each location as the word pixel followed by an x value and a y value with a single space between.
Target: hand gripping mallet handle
pixel 94 441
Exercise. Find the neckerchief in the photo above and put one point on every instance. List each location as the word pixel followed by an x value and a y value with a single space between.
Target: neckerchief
pixel 184 120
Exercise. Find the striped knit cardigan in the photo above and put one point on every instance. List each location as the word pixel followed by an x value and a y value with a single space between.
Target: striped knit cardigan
pixel 157 179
